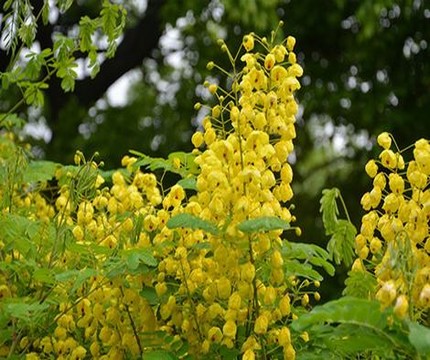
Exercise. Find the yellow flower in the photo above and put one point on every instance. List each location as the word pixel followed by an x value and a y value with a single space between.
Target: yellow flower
pixel 224 288
pixel 215 334
pixel 229 329
pixel 248 355
pixel 295 70
pixel 291 42
pixel 234 302
pixel 284 337
pixel 371 168
pixel 269 61
pixel 32 356
pixel 279 51
pixel 384 140
pixel 289 353
pixel 396 183
pixel 379 181
pixel 261 324
pixel 269 295
pixel 285 306
pixel 292 59
pixel 197 139
pixel 387 293
pixel 305 336
pixel 388 159
pixel 424 298
pixel 277 260
pixel 402 306
pixel 247 272
pixel 375 245
pixel 248 42
pixel 391 203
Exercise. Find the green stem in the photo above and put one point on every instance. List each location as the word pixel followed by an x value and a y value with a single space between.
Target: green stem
pixel 344 207
pixel 133 326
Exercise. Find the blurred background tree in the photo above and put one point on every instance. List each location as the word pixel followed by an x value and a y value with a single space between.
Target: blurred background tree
pixel 367 69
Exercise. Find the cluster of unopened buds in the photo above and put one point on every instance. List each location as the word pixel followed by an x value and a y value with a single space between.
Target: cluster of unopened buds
pixel 394 239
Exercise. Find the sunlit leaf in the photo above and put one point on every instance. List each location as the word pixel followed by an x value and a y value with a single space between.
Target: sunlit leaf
pixel 188 183
pixel 40 170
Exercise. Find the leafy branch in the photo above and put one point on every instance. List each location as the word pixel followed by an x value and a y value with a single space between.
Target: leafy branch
pixel 342 232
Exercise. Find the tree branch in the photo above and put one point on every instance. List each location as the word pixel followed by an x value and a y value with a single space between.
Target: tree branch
pixel 137 44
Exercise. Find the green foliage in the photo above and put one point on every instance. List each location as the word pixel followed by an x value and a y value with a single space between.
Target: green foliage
pixel 311 254
pixel 33 77
pixel 419 337
pixel 361 284
pixel 192 222
pixel 186 167
pixel 352 327
pixel 264 223
pixel 39 171
pixel 342 232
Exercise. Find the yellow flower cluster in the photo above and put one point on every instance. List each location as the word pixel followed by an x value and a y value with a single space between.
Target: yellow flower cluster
pixel 107 251
pixel 103 317
pixel 394 235
pixel 234 292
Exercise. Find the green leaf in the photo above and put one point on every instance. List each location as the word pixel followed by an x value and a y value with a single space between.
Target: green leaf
pixel 187 167
pixel 87 28
pixel 33 95
pixel 329 209
pixel 64 5
pixel 152 163
pixel 295 268
pixel 63 48
pixel 311 253
pixel 150 295
pixel 67 74
pixel 351 341
pixel 360 284
pixel 229 354
pixel 19 308
pixel 191 222
pixel 9 121
pixel 45 12
pixel 159 355
pixel 44 275
pixel 341 244
pixel 16 231
pixel 78 276
pixel 27 33
pixel 188 183
pixel 40 170
pixel 419 337
pixel 264 223
pixel 360 312
pixel 134 257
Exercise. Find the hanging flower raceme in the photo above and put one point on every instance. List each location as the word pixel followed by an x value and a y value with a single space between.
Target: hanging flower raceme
pixel 233 291
pixel 394 239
